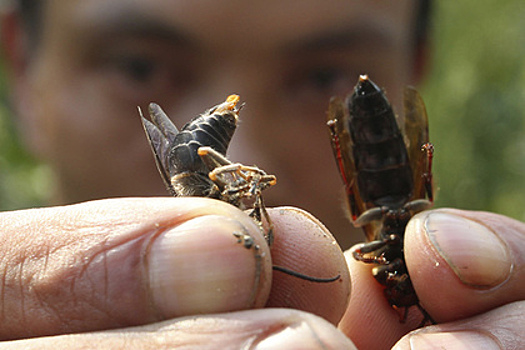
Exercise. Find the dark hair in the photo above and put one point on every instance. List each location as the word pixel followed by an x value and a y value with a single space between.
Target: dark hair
pixel 422 21
pixel 31 14
pixel 31 11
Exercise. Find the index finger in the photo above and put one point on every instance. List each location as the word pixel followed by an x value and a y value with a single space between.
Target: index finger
pixel 303 244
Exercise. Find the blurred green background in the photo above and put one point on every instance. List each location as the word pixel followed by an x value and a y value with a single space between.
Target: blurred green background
pixel 23 182
pixel 475 97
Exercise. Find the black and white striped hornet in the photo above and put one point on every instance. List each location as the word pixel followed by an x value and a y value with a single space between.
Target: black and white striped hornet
pixel 192 162
pixel 387 179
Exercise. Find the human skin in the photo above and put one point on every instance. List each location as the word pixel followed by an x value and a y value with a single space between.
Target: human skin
pixel 76 93
pixel 118 263
pixel 467 270
pixel 126 272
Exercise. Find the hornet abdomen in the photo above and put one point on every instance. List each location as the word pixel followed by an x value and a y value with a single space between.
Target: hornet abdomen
pixel 383 172
pixel 183 170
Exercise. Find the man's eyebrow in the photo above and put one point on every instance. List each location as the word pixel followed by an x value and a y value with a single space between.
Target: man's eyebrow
pixel 343 38
pixel 138 25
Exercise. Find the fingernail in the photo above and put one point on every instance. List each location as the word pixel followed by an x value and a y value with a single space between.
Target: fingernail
pixel 450 340
pixel 201 267
pixel 475 253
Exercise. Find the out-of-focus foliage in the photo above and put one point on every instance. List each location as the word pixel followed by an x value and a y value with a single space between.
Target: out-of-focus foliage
pixel 23 181
pixel 475 98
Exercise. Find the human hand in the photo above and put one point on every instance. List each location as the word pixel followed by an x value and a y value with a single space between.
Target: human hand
pixel 471 281
pixel 144 267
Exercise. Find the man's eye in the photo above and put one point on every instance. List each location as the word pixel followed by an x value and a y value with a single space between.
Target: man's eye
pixel 146 74
pixel 325 79
pixel 137 69
pixel 321 81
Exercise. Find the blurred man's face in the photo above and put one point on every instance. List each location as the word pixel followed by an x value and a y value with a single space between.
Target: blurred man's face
pixel 97 60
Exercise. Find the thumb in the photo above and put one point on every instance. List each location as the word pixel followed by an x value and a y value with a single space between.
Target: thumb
pixel 123 262
pixel 465 263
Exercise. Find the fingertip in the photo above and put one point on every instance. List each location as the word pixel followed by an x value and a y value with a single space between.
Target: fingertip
pixel 302 331
pixel 447 340
pixel 369 320
pixel 303 244
pixel 448 248
pixel 499 328
pixel 473 251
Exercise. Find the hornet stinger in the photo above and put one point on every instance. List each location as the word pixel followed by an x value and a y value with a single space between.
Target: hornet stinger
pixel 387 180
pixel 192 162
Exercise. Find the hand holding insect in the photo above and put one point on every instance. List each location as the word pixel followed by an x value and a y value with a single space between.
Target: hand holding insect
pixel 467 269
pixel 483 301
pixel 460 263
pixel 387 180
pixel 192 162
pixel 124 262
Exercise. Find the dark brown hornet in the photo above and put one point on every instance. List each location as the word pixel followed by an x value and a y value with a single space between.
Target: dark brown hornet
pixel 387 179
pixel 192 162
